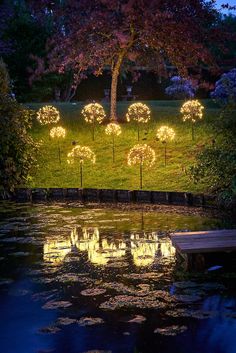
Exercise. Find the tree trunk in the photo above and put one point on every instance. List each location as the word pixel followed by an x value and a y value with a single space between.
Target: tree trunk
pixel 114 82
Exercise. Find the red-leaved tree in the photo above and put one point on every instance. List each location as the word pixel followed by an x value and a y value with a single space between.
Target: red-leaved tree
pixel 91 35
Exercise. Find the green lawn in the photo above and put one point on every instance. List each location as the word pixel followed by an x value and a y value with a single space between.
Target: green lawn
pixel 105 174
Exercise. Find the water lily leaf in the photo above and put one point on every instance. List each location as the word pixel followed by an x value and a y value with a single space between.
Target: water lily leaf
pixel 89 321
pixel 50 329
pixel 66 321
pixel 171 330
pixel 139 319
pixel 93 291
pixel 56 305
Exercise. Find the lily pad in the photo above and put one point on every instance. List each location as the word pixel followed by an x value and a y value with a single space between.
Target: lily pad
pixel 57 304
pixel 93 292
pixel 171 330
pixel 50 329
pixel 128 301
pixel 66 321
pixel 90 321
pixel 138 319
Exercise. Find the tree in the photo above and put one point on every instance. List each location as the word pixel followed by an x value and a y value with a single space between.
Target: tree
pixel 16 146
pixel 94 34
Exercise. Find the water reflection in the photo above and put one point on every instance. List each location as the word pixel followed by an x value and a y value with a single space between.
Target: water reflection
pixel 102 249
pixel 54 251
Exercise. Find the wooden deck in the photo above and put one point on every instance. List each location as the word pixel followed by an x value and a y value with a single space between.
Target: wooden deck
pixel 205 241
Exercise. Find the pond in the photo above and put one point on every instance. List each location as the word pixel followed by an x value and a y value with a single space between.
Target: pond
pixel 76 278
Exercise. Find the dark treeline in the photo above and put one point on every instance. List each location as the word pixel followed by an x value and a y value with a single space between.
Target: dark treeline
pixel 23 42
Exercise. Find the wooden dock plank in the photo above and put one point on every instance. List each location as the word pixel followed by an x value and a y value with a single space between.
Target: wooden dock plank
pixel 205 241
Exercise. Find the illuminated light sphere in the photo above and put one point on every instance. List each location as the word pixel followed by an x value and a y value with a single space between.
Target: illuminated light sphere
pixel 48 115
pixel 141 154
pixel 138 112
pixel 192 110
pixel 113 129
pixel 81 154
pixel 93 112
pixel 165 133
pixel 58 132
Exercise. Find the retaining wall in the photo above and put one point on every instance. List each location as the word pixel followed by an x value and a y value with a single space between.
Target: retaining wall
pixel 109 195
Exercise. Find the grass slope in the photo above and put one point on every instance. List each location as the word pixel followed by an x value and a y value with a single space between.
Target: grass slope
pixel 105 174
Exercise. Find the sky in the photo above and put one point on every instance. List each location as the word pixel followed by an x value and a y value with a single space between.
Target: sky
pixel 230 2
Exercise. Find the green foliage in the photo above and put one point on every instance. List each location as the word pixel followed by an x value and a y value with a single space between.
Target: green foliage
pixel 4 79
pixel 16 145
pixel 216 165
pixel 105 174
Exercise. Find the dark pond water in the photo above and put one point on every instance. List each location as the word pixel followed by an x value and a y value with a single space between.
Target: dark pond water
pixel 83 279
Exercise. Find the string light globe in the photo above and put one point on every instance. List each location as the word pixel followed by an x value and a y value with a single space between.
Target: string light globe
pixel 48 115
pixel 192 111
pixel 58 133
pixel 81 154
pixel 165 134
pixel 138 112
pixel 93 113
pixel 141 155
pixel 113 129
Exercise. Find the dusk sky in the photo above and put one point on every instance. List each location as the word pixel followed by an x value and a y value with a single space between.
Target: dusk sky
pixel 230 2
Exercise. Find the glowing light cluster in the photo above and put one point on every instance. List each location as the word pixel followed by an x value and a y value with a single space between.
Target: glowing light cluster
pixel 138 112
pixel 165 133
pixel 58 132
pixel 192 110
pixel 81 153
pixel 113 129
pixel 93 112
pixel 141 154
pixel 48 115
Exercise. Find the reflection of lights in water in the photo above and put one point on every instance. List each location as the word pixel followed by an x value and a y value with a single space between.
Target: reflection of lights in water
pixel 54 251
pixel 99 251
pixel 167 250
pixel 144 248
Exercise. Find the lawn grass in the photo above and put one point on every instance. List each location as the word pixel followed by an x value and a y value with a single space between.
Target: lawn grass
pixel 118 175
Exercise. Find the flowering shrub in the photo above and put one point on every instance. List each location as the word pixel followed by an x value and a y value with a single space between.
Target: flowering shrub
pixel 225 89
pixel 138 112
pixel 180 88
pixel 141 155
pixel 48 115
